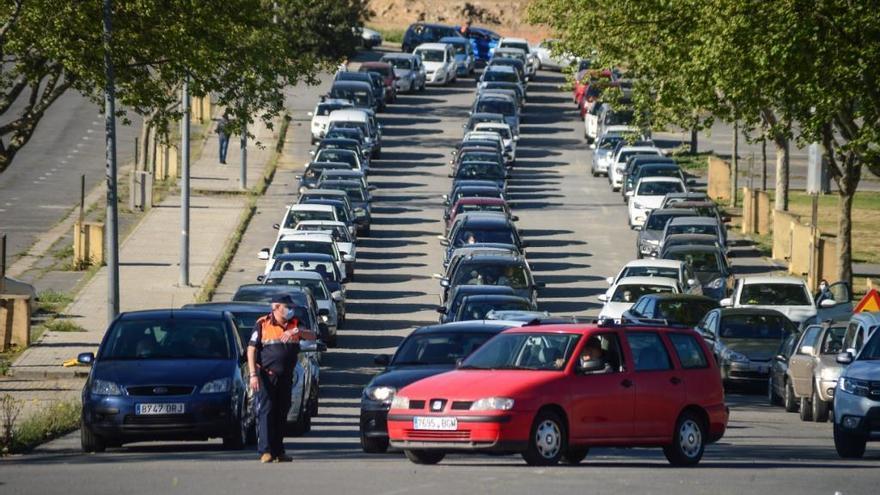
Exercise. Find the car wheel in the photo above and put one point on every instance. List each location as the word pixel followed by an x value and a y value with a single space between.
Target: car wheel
pixel 237 439
pixel 848 445
pixel 688 441
pixel 313 400
pixel 574 455
pixel 424 456
pixel 820 408
pixel 547 441
pixel 374 445
pixel 90 441
pixel 806 412
pixel 788 401
pixel 772 398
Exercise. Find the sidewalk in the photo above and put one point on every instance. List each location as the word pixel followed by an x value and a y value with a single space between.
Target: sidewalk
pixel 149 271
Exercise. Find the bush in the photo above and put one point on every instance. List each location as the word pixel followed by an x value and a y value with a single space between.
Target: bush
pixel 55 420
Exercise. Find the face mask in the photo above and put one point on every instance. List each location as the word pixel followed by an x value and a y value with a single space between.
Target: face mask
pixel 289 315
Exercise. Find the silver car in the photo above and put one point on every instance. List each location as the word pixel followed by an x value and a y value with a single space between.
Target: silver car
pixel 409 70
pixel 857 400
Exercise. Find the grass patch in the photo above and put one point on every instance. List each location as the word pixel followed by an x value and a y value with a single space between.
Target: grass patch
pixel 51 422
pixel 694 163
pixel 50 301
pixel 8 357
pixel 56 325
pixel 390 35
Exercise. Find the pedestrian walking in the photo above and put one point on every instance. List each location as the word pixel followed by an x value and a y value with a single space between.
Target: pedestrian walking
pixel 223 135
pixel 272 354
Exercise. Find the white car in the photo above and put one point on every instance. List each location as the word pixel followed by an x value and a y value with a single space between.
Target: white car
pixel 603 147
pixel 591 121
pixel 306 242
pixel 522 44
pixel 503 130
pixel 549 58
pixel 675 269
pixel 618 162
pixel 315 283
pixel 338 230
pixel 648 194
pixel 790 296
pixel 408 69
pixel 626 291
pixel 439 61
pixel 295 214
pixel 321 115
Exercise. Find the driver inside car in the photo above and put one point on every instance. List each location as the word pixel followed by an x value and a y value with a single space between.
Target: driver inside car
pixel 591 353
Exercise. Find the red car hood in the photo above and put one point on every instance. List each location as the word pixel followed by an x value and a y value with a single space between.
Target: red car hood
pixel 478 384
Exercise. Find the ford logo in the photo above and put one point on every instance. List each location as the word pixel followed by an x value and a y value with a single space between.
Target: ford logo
pixel 160 390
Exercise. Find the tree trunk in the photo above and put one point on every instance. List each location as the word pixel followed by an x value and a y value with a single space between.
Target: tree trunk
pixel 734 165
pixel 143 143
pixel 693 141
pixel 847 184
pixel 782 173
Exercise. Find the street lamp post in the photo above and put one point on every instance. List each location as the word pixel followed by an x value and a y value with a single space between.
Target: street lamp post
pixel 184 188
pixel 110 170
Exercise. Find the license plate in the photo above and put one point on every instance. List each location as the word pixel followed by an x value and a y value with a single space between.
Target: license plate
pixel 435 423
pixel 165 408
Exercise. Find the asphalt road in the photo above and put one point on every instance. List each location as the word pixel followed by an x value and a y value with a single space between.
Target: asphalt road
pixel 43 183
pixel 578 231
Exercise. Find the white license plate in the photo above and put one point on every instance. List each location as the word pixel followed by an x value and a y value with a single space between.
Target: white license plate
pixel 165 408
pixel 435 423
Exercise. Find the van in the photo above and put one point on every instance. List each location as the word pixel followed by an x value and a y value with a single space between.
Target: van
pixel 364 120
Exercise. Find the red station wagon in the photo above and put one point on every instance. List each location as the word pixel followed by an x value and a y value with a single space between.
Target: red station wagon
pixel 550 392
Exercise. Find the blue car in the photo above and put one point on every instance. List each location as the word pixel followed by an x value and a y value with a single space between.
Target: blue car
pixel 166 375
pixel 464 55
pixel 483 42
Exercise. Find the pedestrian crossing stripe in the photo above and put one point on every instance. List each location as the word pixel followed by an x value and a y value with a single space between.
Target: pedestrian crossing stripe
pixel 869 303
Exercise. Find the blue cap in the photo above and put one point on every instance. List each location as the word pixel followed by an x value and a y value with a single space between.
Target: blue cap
pixel 284 299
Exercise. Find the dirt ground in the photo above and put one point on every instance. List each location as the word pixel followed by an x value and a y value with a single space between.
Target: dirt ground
pixel 507 17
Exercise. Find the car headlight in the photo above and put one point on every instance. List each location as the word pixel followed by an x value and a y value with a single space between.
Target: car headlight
pixel 854 386
pixel 493 404
pixel 716 284
pixel 381 393
pixel 734 357
pixel 400 402
pixel 104 387
pixel 830 374
pixel 217 386
pixel 360 211
pixel 325 318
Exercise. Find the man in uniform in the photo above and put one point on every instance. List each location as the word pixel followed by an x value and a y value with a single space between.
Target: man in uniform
pixel 272 353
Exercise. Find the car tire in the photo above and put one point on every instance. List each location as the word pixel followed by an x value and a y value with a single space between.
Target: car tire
pixel 547 441
pixel 820 408
pixel 424 456
pixel 90 441
pixel 314 404
pixel 374 445
pixel 806 409
pixel 848 445
pixel 237 439
pixel 574 455
pixel 788 400
pixel 688 441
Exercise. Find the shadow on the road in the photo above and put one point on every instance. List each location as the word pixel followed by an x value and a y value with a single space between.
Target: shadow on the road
pixel 403 221
pixel 359 294
pixel 386 266
pixel 370 255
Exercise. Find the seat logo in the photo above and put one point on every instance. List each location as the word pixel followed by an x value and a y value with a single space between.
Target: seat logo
pixel 160 390
pixel 437 405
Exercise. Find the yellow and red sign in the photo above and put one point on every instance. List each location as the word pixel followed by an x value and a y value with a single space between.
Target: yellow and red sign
pixel 869 303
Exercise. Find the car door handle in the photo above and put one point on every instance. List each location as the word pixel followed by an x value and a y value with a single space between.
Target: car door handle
pixel 627 383
pixel 675 380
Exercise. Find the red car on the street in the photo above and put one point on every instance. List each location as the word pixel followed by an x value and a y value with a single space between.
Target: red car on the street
pixel 550 392
pixel 385 70
pixel 589 85
pixel 466 205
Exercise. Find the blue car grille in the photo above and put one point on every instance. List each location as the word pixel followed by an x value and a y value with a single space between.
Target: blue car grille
pixel 160 390
pixel 159 420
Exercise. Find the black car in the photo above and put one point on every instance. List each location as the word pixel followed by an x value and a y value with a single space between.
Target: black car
pixel 511 270
pixel 309 179
pixel 688 240
pixel 306 310
pixel 710 266
pixel 421 32
pixel 478 306
pixel 745 341
pixel 359 198
pixel 671 309
pixel 649 238
pixel 166 374
pixel 377 85
pixel 359 93
pixel 427 351
pixel 491 171
pixel 482 227
pixel 778 387
pixel 633 164
pixel 458 293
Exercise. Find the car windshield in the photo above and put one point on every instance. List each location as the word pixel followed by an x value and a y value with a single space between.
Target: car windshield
pixel 244 323
pixel 701 261
pixel 629 293
pixel 358 97
pixel 316 286
pixel 433 349
pixel 382 71
pixel 771 327
pixel 337 155
pixel 774 294
pixel 659 188
pixel 658 172
pixel 649 271
pixel 504 132
pixel 683 312
pixel 479 156
pixel 524 351
pixel 466 208
pixel 399 63
pixel 497 75
pixel 167 339
pixel 692 229
pixel 326 269
pixel 503 107
pixel 297 246
pixel 659 221
pixel 477 310
pixel 832 342
pixel 512 276
pixel 474 235
pixel 338 232
pixel 624 155
pixel 346 132
pixel 620 117
pixel 432 55
pixel 871 350
pixel 295 217
pixel 477 194
pixel 478 171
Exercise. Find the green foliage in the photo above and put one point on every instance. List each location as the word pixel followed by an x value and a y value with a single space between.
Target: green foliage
pixel 50 301
pixel 57 325
pixel 57 419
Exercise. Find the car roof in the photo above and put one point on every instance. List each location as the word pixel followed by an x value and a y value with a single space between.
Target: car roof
pixel 351 84
pixel 486 115
pixel 354 114
pixel 629 148
pixel 335 101
pixel 500 68
pixel 378 65
pixel 650 166
pixel 674 211
pixel 648 280
pixel 677 296
pixel 869 317
pixel 307 236
pixel 331 223
pixel 337 140
pixel 693 237
pixel 477 200
pixel 310 207
pixel 408 56
pixel 654 262
pixel 171 313
pixel 695 220
pixel 496 297
pixel 454 40
pixel 660 179
pixel 304 274
pixel 683 248
pixel 304 257
pixel 581 328
pixel 470 326
pixel 746 311
pixel 231 306
pixel 432 46
pixel 512 40
pixel 772 280
pixel 319 192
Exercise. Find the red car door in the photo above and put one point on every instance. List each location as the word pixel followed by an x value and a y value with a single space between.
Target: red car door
pixel 602 402
pixel 659 386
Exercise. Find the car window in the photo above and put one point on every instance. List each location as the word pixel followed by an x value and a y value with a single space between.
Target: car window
pixel 316 286
pixel 759 326
pixel 811 336
pixel 632 292
pixel 524 351
pixel 510 275
pixel 291 246
pixel 871 350
pixel 774 294
pixel 692 229
pixel 428 349
pixel 167 339
pixel 689 352
pixel 477 310
pixel 650 271
pixel 832 341
pixel 659 188
pixel 325 269
pixel 648 351
pixel 788 346
pixel 700 261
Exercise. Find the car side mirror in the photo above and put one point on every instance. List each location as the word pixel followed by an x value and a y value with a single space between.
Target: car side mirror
pixel 323 331
pixel 451 176
pixel 540 285
pixel 845 358
pixel 444 283
pixel 444 242
pixel 312 152
pixel 348 258
pixel 263 254
pixel 345 280
pixel 382 360
pixel 726 302
pixel 514 218
pixel 372 187
pixel 441 310
pixel 781 358
pixel 610 280
pixel 260 278
pixel 708 335
pixel 828 303
pixel 691 281
pixel 590 366
pixel 86 358
pixel 602 297
pixel 323 312
pixel 637 227
pixel 592 146
pixel 516 138
pixel 336 295
pixel 276 226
